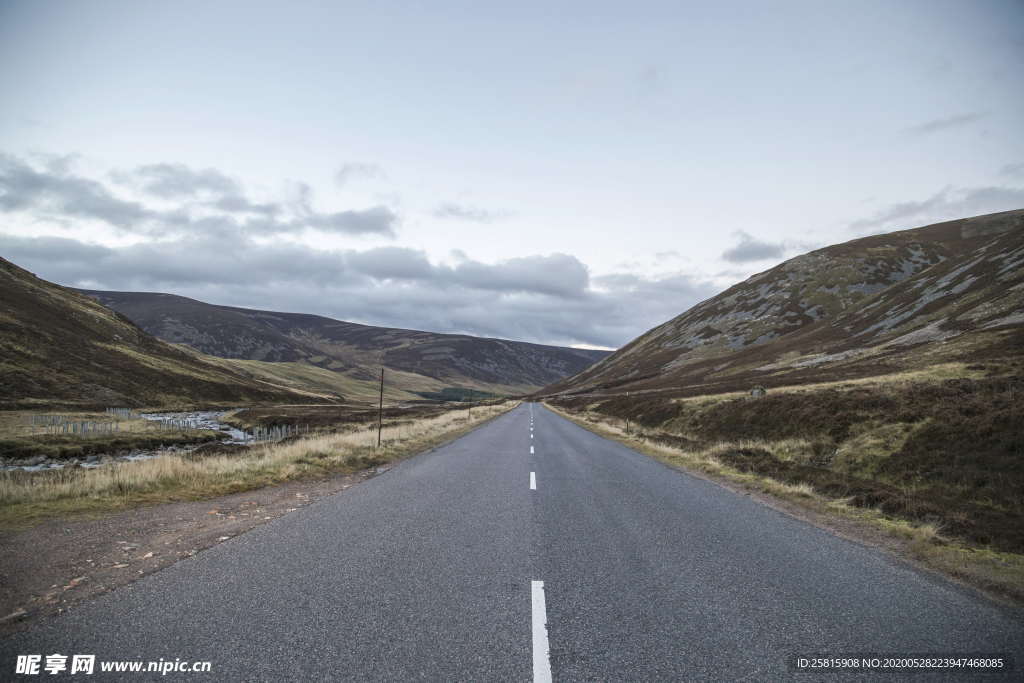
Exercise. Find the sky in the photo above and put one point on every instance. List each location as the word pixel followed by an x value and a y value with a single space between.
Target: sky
pixel 570 173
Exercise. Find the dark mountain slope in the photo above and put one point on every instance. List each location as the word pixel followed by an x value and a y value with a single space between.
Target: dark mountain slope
pixel 351 349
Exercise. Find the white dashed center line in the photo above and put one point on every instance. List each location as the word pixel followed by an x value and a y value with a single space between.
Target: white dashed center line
pixel 531 450
pixel 533 481
pixel 541 659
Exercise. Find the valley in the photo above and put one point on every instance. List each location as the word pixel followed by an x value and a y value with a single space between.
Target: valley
pixel 358 341
pixel 870 388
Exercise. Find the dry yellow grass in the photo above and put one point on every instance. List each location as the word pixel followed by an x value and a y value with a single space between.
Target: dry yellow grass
pixel 934 373
pixel 26 496
pixel 19 422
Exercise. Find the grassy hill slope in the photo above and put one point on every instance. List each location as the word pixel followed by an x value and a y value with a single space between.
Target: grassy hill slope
pixel 60 347
pixel 904 300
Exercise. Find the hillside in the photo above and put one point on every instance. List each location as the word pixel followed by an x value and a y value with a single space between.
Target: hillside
pixel 424 362
pixel 949 292
pixel 58 347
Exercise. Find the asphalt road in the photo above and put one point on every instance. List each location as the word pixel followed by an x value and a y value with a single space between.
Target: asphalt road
pixel 482 560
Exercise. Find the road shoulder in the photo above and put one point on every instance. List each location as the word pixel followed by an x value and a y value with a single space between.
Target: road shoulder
pixel 54 565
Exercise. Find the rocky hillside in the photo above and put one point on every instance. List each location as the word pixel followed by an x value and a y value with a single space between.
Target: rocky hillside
pixel 353 350
pixel 953 291
pixel 58 347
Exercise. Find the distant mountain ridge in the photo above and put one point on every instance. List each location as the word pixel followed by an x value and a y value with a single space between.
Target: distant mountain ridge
pixel 351 349
pixel 952 290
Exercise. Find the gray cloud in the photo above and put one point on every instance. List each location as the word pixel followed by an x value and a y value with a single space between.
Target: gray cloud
pixel 234 203
pixel 947 204
pixel 468 213
pixel 58 163
pixel 357 170
pixel 619 281
pixel 392 263
pixel 651 80
pixel 547 299
pixel 174 181
pixel 54 192
pixel 208 186
pixel 378 220
pixel 946 123
pixel 558 275
pixel 750 249
pixel 1013 170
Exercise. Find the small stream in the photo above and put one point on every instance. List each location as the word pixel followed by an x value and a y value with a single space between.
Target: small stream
pixel 209 419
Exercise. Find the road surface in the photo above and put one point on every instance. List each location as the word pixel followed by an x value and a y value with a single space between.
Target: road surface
pixel 530 549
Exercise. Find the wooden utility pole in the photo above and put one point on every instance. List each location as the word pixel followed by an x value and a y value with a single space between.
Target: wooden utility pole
pixel 627 412
pixel 380 409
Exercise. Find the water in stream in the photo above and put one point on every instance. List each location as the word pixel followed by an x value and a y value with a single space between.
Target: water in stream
pixel 208 419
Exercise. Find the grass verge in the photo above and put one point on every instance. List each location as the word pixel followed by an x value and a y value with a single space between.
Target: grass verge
pixel 1000 574
pixel 27 497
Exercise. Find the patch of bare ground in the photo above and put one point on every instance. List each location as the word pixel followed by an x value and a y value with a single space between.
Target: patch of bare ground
pixel 53 566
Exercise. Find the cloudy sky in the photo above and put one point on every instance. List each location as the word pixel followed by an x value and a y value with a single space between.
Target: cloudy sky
pixel 568 173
